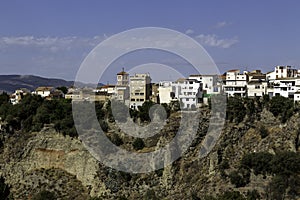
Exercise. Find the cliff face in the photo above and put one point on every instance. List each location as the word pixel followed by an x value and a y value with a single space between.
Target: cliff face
pixel 50 161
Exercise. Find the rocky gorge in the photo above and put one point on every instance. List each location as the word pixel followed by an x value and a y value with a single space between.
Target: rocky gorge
pixel 49 161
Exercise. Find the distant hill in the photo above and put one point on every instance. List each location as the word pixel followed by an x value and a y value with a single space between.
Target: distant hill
pixel 9 83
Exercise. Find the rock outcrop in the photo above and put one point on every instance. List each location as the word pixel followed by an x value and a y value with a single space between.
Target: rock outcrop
pixel 50 161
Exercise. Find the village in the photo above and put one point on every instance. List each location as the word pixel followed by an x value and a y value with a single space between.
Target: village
pixel 192 92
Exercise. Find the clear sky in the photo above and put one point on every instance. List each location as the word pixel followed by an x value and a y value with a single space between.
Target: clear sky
pixel 51 38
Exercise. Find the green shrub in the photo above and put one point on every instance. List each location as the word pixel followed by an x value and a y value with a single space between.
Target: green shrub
pixel 231 195
pixel 240 178
pixel 253 195
pixel 138 144
pixel 259 162
pixel 44 195
pixel 263 131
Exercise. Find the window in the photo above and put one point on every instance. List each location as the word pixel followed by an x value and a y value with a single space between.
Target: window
pixel 132 100
pixel 257 87
pixel 190 87
pixel 187 99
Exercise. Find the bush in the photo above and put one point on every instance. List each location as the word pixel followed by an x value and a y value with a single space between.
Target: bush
pixel 138 144
pixel 286 163
pixel 116 140
pixel 103 125
pixel 263 131
pixel 259 162
pixel 240 178
pixel 44 195
pixel 253 195
pixel 231 195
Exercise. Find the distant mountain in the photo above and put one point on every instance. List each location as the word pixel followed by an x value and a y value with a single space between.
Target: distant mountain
pixel 9 83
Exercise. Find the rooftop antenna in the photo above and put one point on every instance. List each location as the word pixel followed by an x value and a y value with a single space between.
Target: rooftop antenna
pixel 122 69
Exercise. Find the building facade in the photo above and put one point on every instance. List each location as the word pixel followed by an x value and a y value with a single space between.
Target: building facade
pixel 122 87
pixel 166 93
pixel 236 83
pixel 140 89
pixel 188 92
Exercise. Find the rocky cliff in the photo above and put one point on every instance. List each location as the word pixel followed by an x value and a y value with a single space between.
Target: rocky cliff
pixel 49 161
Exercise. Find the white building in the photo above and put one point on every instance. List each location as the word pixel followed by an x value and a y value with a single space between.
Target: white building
pixel 188 92
pixel 236 83
pixel 140 88
pixel 257 84
pixel 16 97
pixel 122 87
pixel 282 72
pixel 297 96
pixel 286 87
pixel 43 91
pixel 210 85
pixel 108 89
pixel 166 93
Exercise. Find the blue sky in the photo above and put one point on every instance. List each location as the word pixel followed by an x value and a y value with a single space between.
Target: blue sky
pixel 51 38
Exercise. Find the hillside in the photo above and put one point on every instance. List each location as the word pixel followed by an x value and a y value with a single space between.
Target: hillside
pixel 256 157
pixel 10 83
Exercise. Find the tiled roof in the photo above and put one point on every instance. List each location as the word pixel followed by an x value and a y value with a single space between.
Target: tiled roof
pixel 122 73
pixel 44 88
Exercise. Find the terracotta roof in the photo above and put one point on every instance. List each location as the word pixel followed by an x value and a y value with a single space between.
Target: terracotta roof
pixel 44 88
pixel 233 70
pixel 258 76
pixel 255 82
pixel 181 80
pixel 122 73
pixel 108 86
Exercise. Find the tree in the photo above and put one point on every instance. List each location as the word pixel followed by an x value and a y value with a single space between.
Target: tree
pixel 4 98
pixel 144 111
pixel 281 106
pixel 64 89
pixel 236 110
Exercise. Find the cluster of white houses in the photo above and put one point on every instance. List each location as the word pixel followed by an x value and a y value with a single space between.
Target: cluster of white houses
pixel 191 92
